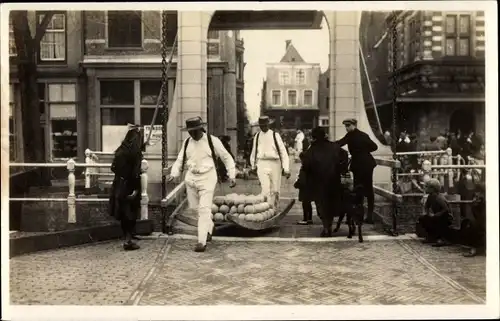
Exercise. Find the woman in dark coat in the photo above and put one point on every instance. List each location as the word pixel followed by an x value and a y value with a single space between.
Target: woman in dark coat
pixel 125 198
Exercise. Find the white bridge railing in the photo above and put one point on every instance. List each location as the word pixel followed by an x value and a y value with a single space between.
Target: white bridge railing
pixel 92 171
pixel 441 165
pixel 92 175
pixel 72 198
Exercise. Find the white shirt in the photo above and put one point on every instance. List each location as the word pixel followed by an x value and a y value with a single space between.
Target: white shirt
pixel 199 157
pixel 300 137
pixel 267 149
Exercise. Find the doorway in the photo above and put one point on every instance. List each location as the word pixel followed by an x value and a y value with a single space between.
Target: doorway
pixel 463 120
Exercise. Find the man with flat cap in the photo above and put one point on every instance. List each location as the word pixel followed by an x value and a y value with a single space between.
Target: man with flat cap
pixel 198 154
pixel 270 157
pixel 362 162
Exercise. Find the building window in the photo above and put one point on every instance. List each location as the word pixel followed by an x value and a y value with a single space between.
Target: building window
pixel 124 29
pixel 53 43
pixel 117 116
pixel 13 141
pixel 117 92
pixel 308 97
pixel 300 77
pixel 276 97
pixel 324 122
pixel 458 33
pixel 172 25
pixel 413 43
pixel 292 98
pixel 327 82
pixel 12 41
pixel 150 90
pixel 213 34
pixel 239 67
pixel 284 78
pixel 327 102
pixel 63 122
pixel 213 48
pixel 147 114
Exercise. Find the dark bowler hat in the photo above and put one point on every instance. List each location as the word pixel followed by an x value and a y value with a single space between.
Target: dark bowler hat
pixel 350 121
pixel 194 123
pixel 265 120
pixel 318 133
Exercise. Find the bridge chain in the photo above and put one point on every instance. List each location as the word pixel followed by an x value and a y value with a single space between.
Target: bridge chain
pixel 164 114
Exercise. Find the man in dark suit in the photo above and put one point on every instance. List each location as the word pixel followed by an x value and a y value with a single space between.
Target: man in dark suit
pixel 362 162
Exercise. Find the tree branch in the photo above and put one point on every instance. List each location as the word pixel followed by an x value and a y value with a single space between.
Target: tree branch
pixel 42 27
pixel 22 35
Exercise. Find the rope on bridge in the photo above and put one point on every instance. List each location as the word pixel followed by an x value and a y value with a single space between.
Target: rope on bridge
pixel 394 171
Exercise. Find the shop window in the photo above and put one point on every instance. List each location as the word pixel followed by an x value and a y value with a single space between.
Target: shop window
pixel 117 116
pixel 308 98
pixel 117 92
pixel 53 43
pixel 150 89
pixel 124 29
pixel 292 98
pixel 63 121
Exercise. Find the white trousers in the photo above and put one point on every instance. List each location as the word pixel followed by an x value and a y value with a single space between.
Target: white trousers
pixel 200 193
pixel 298 148
pixel 269 173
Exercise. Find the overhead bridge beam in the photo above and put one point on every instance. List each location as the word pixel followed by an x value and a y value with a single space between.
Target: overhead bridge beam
pixel 266 20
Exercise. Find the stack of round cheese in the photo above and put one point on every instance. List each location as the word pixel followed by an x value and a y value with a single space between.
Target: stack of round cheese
pixel 251 208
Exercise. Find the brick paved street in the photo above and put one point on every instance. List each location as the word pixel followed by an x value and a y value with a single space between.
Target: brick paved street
pixel 168 272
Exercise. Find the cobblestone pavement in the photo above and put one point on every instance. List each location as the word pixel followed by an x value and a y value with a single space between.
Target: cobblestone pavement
pixel 249 272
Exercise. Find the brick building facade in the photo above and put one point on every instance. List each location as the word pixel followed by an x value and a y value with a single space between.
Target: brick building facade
pixel 102 69
pixel 440 70
pixel 290 91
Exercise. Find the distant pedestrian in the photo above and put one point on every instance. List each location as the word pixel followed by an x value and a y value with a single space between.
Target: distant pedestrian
pixel 125 196
pixel 442 141
pixel 299 140
pixel 270 159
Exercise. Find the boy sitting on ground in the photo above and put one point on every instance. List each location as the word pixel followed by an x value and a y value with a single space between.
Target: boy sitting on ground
pixel 437 219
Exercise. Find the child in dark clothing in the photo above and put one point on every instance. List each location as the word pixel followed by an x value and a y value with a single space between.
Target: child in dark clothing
pixel 437 219
pixel 352 205
pixel 304 196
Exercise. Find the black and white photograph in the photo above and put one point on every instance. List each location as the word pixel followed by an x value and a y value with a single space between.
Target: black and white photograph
pixel 250 160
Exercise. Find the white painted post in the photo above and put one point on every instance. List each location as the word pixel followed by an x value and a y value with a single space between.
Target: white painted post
pixel 442 161
pixel 450 171
pixel 71 196
pixel 88 161
pixel 144 190
pixel 435 161
pixel 426 168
